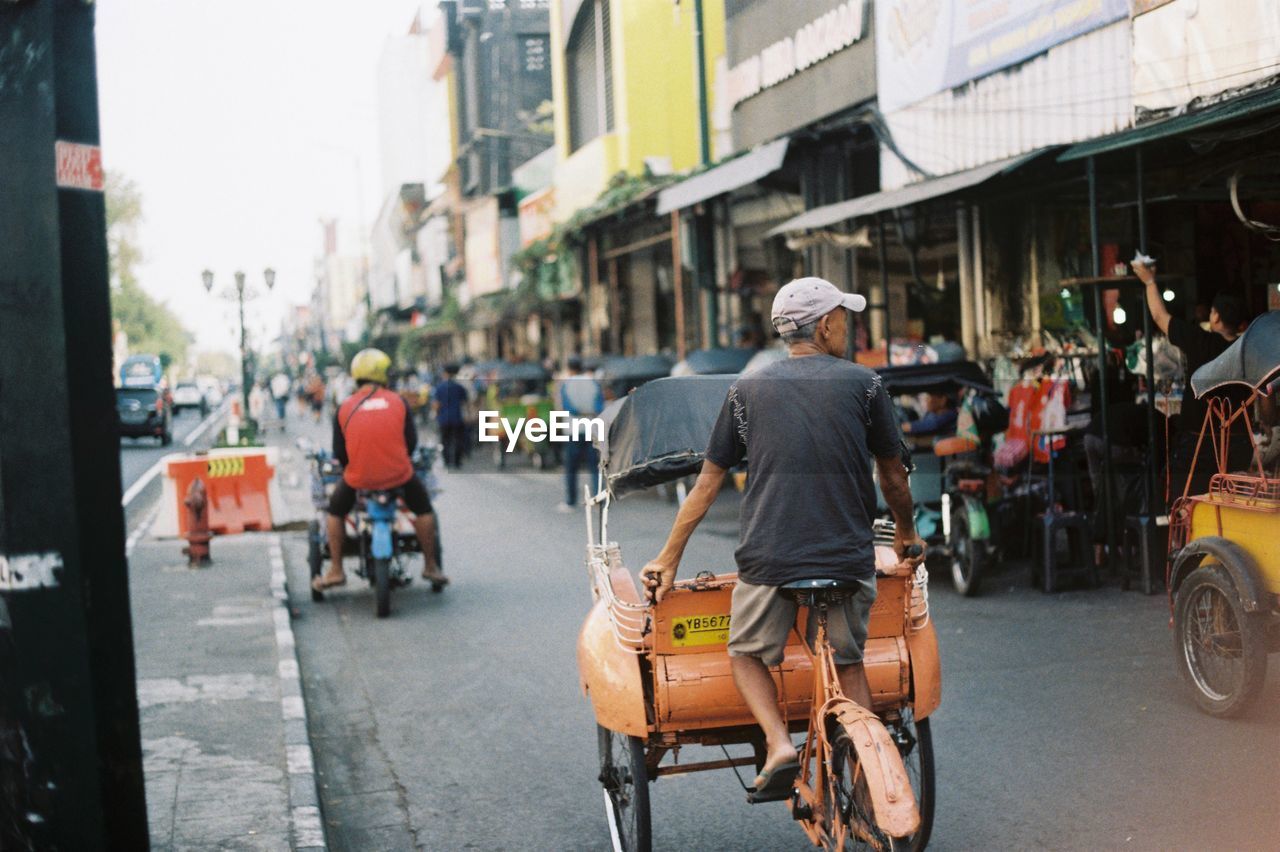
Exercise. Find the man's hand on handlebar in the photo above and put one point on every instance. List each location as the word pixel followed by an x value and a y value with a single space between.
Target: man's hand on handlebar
pixel 658 578
pixel 910 549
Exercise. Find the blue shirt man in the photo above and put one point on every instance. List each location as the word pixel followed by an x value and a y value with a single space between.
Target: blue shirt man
pixel 580 395
pixel 449 399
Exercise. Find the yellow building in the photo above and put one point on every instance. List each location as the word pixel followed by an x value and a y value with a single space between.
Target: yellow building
pixel 626 89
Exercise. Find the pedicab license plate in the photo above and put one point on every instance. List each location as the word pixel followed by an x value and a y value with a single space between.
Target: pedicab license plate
pixel 691 630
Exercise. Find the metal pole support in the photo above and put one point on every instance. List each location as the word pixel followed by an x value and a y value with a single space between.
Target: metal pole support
pixel 70 751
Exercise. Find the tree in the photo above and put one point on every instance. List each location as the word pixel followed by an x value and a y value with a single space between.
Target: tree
pixel 148 323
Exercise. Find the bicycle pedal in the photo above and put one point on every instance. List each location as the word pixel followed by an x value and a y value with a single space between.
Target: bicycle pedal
pixel 762 797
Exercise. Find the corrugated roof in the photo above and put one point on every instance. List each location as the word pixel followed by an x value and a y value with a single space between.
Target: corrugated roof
pixel 738 172
pixel 865 205
pixel 1236 108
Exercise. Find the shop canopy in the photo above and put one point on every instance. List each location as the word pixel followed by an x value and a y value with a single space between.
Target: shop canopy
pixel 1236 108
pixel 726 177
pixel 926 190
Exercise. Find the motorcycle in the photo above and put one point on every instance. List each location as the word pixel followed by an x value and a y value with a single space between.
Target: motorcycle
pixel 379 529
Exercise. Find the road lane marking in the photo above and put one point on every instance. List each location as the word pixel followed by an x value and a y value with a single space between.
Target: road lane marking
pixel 140 531
pixel 140 484
pixel 304 792
pixel 195 433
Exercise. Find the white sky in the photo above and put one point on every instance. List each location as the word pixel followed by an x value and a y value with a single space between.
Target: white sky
pixel 243 122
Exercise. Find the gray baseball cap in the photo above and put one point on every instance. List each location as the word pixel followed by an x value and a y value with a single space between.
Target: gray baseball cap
pixel 806 300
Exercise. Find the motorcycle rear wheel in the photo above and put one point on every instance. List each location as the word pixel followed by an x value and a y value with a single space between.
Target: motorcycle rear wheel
pixel 382 586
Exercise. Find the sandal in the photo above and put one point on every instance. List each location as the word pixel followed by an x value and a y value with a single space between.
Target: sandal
pixel 321 583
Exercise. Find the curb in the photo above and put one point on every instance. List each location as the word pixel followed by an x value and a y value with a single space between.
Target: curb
pixel 304 799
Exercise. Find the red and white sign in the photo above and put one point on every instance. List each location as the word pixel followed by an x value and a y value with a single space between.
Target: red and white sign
pixel 79 166
pixel 535 212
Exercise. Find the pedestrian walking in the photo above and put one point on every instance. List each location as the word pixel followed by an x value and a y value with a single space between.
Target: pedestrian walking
pixel 448 400
pixel 812 428
pixel 258 406
pixel 280 385
pixel 315 395
pixel 581 396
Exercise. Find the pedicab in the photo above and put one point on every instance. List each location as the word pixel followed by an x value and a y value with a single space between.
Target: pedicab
pixel 1223 571
pixel 620 375
pixel 521 391
pixel 953 473
pixel 720 361
pixel 658 675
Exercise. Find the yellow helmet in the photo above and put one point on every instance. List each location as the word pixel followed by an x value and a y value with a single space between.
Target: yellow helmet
pixel 370 365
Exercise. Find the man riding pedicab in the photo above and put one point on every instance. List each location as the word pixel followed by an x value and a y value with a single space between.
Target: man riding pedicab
pixel 809 428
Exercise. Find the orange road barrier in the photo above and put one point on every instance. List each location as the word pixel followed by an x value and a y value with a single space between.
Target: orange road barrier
pixel 239 485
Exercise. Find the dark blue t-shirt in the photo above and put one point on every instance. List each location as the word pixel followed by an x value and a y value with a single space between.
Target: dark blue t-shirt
pixel 451 397
pixel 809 429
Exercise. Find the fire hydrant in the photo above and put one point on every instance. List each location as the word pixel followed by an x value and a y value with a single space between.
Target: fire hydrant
pixel 198 534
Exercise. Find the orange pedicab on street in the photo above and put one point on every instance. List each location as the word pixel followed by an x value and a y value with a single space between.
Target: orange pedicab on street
pixel 658 676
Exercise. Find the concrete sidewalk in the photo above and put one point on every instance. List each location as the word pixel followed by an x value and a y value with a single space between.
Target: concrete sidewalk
pixel 227 757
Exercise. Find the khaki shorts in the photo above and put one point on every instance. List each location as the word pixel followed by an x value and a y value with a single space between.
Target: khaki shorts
pixel 761 618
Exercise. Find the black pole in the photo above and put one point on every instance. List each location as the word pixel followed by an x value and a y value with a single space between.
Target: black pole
pixel 704 238
pixel 1096 262
pixel 70 753
pixel 884 279
pixel 704 124
pixel 1152 488
pixel 244 356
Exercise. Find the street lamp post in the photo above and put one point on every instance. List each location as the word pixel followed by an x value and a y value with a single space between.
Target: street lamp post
pixel 269 277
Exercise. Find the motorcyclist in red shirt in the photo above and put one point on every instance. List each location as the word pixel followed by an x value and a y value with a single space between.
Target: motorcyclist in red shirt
pixel 373 437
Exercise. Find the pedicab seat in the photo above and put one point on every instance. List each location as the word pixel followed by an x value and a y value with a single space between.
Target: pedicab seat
pixel 820 585
pixel 818 591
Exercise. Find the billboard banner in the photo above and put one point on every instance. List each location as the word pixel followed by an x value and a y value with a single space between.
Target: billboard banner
pixel 484 267
pixel 926 46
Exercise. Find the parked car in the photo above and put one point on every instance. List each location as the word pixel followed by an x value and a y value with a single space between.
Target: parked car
pixel 187 394
pixel 145 412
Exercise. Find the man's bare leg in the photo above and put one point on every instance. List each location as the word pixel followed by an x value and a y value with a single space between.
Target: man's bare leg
pixel 425 527
pixel 853 681
pixel 335 574
pixel 754 682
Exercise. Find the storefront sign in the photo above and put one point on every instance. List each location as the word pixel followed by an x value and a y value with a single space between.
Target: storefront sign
pixel 790 63
pixel 535 213
pixel 925 46
pixel 809 45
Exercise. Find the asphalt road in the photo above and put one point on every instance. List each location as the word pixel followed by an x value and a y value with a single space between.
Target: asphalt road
pixel 458 722
pixel 137 455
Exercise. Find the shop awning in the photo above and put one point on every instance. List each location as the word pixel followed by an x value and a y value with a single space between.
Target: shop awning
pixel 738 172
pixel 876 202
pixel 1236 108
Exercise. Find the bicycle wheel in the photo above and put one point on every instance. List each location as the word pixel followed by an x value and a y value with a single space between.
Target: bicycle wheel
pixel 1222 649
pixel 626 790
pixel 915 744
pixel 968 556
pixel 315 558
pixel 382 586
pixel 849 819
